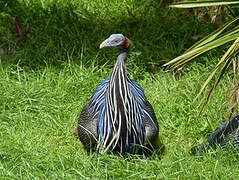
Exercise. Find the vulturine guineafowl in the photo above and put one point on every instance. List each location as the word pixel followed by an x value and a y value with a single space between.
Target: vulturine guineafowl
pixel 118 118
pixel 225 135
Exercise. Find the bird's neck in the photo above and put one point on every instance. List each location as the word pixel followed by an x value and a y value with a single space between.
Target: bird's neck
pixel 123 53
pixel 119 65
pixel 117 95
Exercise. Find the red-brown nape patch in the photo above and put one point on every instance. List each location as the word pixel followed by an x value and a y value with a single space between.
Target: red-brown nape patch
pixel 127 42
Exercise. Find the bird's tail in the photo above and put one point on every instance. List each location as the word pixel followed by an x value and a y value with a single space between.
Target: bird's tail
pixel 225 135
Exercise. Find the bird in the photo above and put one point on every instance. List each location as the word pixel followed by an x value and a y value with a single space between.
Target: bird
pixel 118 118
pixel 225 135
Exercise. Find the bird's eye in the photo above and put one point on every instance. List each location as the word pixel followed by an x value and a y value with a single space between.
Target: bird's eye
pixel 116 41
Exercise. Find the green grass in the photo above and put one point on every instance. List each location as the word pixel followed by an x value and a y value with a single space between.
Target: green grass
pixel 48 77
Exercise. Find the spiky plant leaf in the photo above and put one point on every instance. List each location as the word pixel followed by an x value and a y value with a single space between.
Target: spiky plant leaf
pixel 213 35
pixel 189 55
pixel 221 68
pixel 215 39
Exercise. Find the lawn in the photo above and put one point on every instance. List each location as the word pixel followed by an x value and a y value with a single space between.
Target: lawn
pixel 49 74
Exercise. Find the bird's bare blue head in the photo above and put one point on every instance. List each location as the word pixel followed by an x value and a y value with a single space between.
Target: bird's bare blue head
pixel 116 41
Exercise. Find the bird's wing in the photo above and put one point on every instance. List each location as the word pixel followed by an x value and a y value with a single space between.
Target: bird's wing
pixel 87 129
pixel 148 112
pixel 97 101
pixel 88 121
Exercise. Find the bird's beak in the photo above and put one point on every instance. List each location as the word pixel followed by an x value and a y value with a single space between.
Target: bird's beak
pixel 104 44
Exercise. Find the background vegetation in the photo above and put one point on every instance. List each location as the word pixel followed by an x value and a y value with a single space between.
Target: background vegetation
pixel 50 63
pixel 217 12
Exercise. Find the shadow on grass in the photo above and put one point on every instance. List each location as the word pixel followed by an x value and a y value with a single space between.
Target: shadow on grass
pixel 73 30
